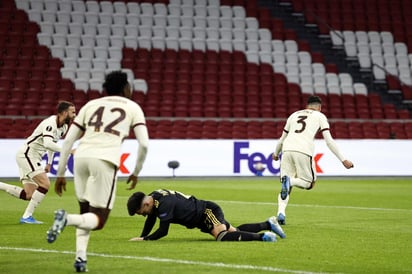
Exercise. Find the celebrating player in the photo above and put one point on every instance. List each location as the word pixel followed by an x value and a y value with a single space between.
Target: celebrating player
pixel 172 207
pixel 33 175
pixel 104 123
pixel 297 167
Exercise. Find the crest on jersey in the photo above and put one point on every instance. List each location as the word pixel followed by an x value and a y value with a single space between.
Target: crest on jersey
pixel 49 128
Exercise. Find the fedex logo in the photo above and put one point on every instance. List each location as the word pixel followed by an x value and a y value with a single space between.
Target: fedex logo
pixel 242 153
pixel 55 163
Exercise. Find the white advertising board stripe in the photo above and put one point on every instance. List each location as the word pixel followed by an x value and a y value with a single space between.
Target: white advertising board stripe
pixel 237 158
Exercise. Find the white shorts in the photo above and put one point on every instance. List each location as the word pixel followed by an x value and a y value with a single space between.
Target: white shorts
pixel 298 165
pixel 95 182
pixel 29 165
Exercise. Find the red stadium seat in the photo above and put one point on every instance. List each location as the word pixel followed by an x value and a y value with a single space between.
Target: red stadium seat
pixel 208 84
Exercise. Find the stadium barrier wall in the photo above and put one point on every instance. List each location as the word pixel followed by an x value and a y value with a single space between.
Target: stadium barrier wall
pixel 240 157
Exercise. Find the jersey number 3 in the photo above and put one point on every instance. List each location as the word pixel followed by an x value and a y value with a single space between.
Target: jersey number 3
pixel 96 120
pixel 302 122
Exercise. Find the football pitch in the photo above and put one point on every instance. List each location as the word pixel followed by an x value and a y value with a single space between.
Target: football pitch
pixel 343 225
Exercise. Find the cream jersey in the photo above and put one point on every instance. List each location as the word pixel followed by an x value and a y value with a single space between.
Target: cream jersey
pixel 44 137
pixel 106 122
pixel 301 128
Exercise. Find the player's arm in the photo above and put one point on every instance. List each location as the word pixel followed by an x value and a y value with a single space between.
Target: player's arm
pixel 330 142
pixel 50 154
pixel 148 225
pixel 160 232
pixel 49 143
pixel 74 133
pixel 278 148
pixel 50 157
pixel 142 137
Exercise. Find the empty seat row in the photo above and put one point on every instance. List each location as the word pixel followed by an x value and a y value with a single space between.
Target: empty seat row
pixel 258 45
pixel 216 129
pixel 377 52
pixel 189 7
pixel 92 6
pixel 168 18
pixel 376 33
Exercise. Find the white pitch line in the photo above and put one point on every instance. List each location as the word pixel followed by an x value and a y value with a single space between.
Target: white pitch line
pixel 320 206
pixel 167 260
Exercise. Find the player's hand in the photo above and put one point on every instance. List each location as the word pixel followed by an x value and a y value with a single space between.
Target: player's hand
pixel 135 239
pixel 73 151
pixel 60 185
pixel 47 168
pixel 132 179
pixel 275 157
pixel 348 164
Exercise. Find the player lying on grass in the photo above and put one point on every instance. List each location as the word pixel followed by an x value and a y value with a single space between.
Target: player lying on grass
pixel 173 207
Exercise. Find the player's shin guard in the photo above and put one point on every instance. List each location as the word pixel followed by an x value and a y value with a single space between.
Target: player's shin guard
pixel 35 200
pixel 82 242
pixel 253 227
pixel 238 236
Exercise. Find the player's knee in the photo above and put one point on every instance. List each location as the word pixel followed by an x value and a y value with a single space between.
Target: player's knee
pixel 100 225
pixel 217 229
pixel 42 180
pixel 233 229
pixel 101 222
pixel 102 215
pixel 44 185
pixel 312 185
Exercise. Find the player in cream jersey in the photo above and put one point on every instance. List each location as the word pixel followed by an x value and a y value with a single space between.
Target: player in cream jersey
pixel 45 137
pixel 297 166
pixel 102 124
pixel 29 159
pixel 106 122
pixel 301 128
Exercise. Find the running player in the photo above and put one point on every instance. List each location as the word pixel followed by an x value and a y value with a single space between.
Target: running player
pixel 297 167
pixel 33 175
pixel 103 124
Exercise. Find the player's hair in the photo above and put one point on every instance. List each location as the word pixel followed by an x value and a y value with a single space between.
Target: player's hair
pixel 135 202
pixel 63 106
pixel 115 82
pixel 313 99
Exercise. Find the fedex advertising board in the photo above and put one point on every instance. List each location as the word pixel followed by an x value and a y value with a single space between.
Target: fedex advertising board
pixel 238 158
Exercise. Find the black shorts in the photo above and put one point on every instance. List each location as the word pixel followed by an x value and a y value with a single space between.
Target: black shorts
pixel 212 216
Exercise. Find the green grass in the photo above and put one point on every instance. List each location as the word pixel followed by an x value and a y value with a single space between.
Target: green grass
pixel 343 225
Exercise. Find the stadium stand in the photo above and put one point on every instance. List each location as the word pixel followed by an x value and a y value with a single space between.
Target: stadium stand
pixel 209 68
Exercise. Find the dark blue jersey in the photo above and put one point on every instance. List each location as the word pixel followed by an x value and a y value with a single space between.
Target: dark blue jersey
pixel 178 208
pixel 173 207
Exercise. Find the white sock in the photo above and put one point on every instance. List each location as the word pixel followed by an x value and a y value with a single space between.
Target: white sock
pixel 87 221
pixel 11 189
pixel 35 200
pixel 299 183
pixel 282 204
pixel 82 241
